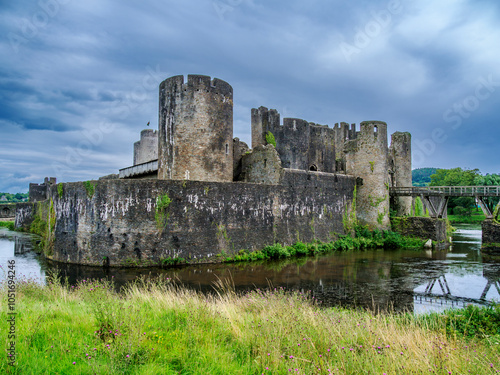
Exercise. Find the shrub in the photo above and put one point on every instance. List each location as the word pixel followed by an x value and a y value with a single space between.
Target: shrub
pixel 270 139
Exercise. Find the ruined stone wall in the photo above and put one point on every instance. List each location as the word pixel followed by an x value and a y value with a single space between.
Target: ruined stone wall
pixel 343 133
pixel 367 159
pixel 400 171
pixel 300 144
pixel 24 215
pixel 117 224
pixel 146 149
pixel 37 192
pixel 40 192
pixel 239 149
pixel 195 129
pixel 491 238
pixel 7 210
pixel 261 166
pixel 321 149
pixel 421 227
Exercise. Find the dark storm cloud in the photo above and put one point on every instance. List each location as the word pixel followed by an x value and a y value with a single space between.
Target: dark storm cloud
pixel 79 79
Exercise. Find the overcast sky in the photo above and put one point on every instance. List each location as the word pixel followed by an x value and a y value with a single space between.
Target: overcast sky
pixel 79 79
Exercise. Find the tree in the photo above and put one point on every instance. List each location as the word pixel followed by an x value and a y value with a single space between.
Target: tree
pixel 457 177
pixel 422 176
pixel 489 180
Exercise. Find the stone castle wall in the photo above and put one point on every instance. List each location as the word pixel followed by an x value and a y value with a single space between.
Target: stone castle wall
pixel 7 210
pixel 195 129
pixel 203 220
pixel 300 144
pixel 491 238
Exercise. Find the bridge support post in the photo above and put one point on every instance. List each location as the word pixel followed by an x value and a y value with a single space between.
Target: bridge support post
pixel 485 208
pixel 438 210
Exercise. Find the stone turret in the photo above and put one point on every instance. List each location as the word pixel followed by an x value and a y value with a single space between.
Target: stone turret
pixel 146 149
pixel 367 159
pixel 195 139
pixel 400 170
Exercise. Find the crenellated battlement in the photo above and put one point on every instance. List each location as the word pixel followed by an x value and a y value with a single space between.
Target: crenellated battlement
pixel 373 131
pixel 197 83
pixel 195 129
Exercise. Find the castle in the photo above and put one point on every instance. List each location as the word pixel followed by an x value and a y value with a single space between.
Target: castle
pixel 196 193
pixel 195 142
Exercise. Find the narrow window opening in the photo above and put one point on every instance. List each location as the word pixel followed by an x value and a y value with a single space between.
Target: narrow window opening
pixel 227 149
pixel 265 163
pixel 375 131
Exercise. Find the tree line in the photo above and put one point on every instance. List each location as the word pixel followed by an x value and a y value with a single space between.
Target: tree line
pixel 13 198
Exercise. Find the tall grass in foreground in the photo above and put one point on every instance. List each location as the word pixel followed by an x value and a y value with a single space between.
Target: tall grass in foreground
pixel 156 327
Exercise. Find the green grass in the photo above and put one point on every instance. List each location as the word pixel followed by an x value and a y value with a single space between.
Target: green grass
pixel 474 218
pixel 470 322
pixel 154 327
pixel 7 224
pixel 364 239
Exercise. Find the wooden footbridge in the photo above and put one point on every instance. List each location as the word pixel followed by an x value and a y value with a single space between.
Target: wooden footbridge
pixel 435 198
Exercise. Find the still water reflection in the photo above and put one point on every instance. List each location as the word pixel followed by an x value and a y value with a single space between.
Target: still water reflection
pixel 418 281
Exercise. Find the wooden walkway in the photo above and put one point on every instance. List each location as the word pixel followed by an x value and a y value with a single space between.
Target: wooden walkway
pixel 449 191
pixel 435 198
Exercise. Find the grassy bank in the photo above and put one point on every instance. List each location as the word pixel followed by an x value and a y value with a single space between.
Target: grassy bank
pixel 157 328
pixel 7 224
pixel 476 218
pixel 363 239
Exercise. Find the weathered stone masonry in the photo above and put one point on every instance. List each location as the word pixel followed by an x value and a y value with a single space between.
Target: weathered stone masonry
pixel 301 188
pixel 117 224
pixel 491 237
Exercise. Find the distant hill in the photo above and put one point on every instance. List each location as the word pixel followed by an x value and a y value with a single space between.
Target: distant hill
pixel 422 176
pixel 13 198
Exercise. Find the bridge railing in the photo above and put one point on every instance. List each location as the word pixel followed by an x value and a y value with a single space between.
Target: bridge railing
pixel 464 191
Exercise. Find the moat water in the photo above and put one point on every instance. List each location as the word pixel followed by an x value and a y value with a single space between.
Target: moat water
pixel 399 280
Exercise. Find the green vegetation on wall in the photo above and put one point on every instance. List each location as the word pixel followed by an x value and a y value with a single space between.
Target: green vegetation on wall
pixel 376 202
pixel 380 217
pixel 44 223
pixel 270 139
pixel 90 188
pixel 161 214
pixel 60 189
pixel 349 219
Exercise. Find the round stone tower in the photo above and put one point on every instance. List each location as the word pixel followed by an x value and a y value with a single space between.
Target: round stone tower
pixel 147 148
pixel 400 169
pixel 367 159
pixel 195 129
